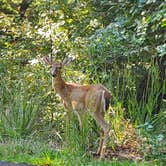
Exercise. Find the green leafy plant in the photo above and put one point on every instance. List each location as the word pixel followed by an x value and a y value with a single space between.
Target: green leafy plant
pixel 19 118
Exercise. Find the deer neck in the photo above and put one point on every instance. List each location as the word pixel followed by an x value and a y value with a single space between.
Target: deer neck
pixel 59 85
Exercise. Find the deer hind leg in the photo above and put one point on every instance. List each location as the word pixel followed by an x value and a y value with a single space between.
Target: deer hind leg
pixel 105 129
pixel 101 142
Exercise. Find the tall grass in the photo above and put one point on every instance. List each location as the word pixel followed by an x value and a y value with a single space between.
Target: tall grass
pixel 142 111
pixel 18 115
pixel 19 108
pixel 79 140
pixel 124 91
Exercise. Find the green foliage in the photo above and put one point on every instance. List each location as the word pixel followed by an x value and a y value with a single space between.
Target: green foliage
pixel 19 118
pixel 79 140
pixel 154 137
pixel 120 44
pixel 43 153
pixel 18 111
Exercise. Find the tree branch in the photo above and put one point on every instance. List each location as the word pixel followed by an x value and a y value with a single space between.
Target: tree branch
pixel 24 6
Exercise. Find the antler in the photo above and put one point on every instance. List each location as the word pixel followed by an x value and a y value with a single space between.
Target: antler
pixel 47 60
pixel 67 60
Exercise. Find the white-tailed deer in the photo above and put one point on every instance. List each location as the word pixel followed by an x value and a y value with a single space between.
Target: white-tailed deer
pixel 93 99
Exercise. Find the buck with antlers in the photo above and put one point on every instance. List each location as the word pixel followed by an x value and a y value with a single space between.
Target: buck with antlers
pixel 93 99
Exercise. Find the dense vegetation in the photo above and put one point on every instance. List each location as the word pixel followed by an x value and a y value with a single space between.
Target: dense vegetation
pixel 120 44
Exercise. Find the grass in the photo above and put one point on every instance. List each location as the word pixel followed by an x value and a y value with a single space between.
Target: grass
pixel 41 153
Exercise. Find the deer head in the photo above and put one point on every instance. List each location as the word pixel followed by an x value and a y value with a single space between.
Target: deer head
pixel 56 67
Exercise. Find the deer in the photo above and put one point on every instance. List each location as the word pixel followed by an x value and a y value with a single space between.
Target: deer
pixel 91 99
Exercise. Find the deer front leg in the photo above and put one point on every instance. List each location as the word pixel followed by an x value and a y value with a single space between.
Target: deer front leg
pixel 68 113
pixel 67 128
pixel 76 109
pixel 68 116
pixel 79 118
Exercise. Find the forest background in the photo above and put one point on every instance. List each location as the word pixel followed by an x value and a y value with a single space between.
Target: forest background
pixel 120 44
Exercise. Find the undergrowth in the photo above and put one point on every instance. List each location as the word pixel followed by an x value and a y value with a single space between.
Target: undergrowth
pixel 41 153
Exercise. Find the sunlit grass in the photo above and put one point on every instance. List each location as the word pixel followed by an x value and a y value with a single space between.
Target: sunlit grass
pixel 41 153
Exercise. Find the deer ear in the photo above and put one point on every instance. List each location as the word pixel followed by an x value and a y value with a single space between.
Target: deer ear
pixel 47 60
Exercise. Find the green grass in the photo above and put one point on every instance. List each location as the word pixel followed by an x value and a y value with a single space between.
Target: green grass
pixel 41 153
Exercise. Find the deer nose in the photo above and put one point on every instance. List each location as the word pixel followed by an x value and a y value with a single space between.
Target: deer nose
pixel 53 75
